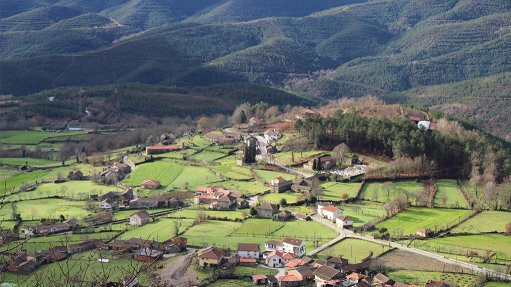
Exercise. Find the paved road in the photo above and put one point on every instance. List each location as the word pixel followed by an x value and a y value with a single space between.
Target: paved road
pixel 344 233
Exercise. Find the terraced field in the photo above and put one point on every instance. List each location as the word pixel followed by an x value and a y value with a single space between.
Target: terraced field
pixel 385 192
pixel 333 191
pixel 486 221
pixel 449 195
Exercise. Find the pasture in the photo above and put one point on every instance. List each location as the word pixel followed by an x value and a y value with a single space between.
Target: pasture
pixel 207 155
pixel 333 191
pixel 420 277
pixel 480 223
pixel 354 250
pixel 497 243
pixel 76 190
pixel 449 195
pixel 385 192
pixel 29 137
pixel 51 208
pixel 275 198
pixel 286 158
pixel 193 211
pixel 32 162
pixel 245 187
pixel 409 221
pixel 228 168
pixel 363 212
pixel 159 230
pixel 268 175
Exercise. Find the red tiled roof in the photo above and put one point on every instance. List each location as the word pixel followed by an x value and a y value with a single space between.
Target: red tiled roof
pixel 248 260
pixel 288 278
pixel 330 208
pixel 151 182
pixel 259 277
pixel 293 241
pixel 355 276
pixel 293 263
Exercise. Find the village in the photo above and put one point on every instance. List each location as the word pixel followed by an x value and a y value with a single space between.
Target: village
pixel 236 207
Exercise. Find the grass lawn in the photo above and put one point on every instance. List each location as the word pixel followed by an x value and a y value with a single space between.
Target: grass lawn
pixel 300 157
pixel 195 142
pixel 85 266
pixel 268 175
pixel 176 154
pixel 363 212
pixel 257 226
pixel 354 250
pixel 497 284
pixel 230 170
pixel 231 283
pixel 192 211
pixel 449 195
pixel 480 222
pixel 207 155
pixel 77 190
pixel 39 244
pixel 249 271
pixel 420 277
pixel 160 230
pixel 457 244
pixel 290 197
pixel 409 221
pixel 384 192
pixel 7 172
pixel 334 190
pixel 51 208
pixel 29 137
pixel 245 187
pixel 33 162
pixel 171 174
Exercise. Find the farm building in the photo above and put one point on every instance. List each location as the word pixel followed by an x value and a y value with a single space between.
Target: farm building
pixel 344 221
pixel 248 250
pixel 280 185
pixel 150 184
pixel 424 232
pixel 139 218
pixel 267 210
pixel 329 212
pixel 147 254
pixel 210 256
pixel 324 162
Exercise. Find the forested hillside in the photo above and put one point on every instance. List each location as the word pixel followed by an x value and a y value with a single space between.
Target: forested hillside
pixel 398 50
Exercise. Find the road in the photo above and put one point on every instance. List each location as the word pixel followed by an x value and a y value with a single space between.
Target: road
pixel 177 273
pixel 344 233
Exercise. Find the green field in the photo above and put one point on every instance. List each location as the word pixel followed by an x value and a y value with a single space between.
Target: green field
pixel 32 162
pixel 257 226
pixel 244 271
pixel 159 230
pixel 77 190
pixel 192 211
pixel 268 175
pixel 231 283
pixel 290 197
pixel 486 221
pixel 171 174
pixel 420 277
pixel 363 212
pixel 245 187
pixel 409 221
pixel 332 191
pixel 229 169
pixel 449 195
pixel 29 137
pixel 195 142
pixel 175 154
pixel 39 244
pixel 385 192
pixel 354 250
pixel 124 214
pixel 300 157
pixel 207 155
pixel 51 208
pixel 497 284
pixel 497 243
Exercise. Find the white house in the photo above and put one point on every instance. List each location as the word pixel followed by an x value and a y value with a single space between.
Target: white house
pixel 272 136
pixel 105 204
pixel 329 212
pixel 277 259
pixel 344 221
pixel 248 250
pixel 294 245
pixel 273 245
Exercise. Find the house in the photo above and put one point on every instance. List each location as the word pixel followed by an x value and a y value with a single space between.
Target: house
pixel 120 246
pixel 248 250
pixel 329 212
pixel 181 242
pixel 432 283
pixel 226 202
pixel 147 254
pixel 336 262
pixel 43 230
pixel 304 273
pixel 272 245
pixel 83 246
pixel 289 281
pixel 267 210
pixel 302 216
pixel 424 232
pixel 302 185
pixel 283 215
pixel 170 247
pixel 325 274
pixel 383 280
pixel 23 264
pixel 259 279
pixel 272 136
pixel 149 202
pixel 139 218
pixel 150 184
pixel 324 162
pixel 254 122
pixel 157 149
pixel 368 227
pixel 280 184
pixel 344 221
pixel 106 204
pixel 277 259
pixel 355 277
pixel 210 256
pixel 242 203
pixel 75 175
pixel 294 245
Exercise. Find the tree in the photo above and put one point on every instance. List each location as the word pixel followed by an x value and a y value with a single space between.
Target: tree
pixel 508 228
pixel 242 117
pixel 345 196
pixel 253 211
pixel 176 227
pixel 283 202
pixel 340 152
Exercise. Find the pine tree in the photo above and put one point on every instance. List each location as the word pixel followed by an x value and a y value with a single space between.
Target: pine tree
pixel 243 117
